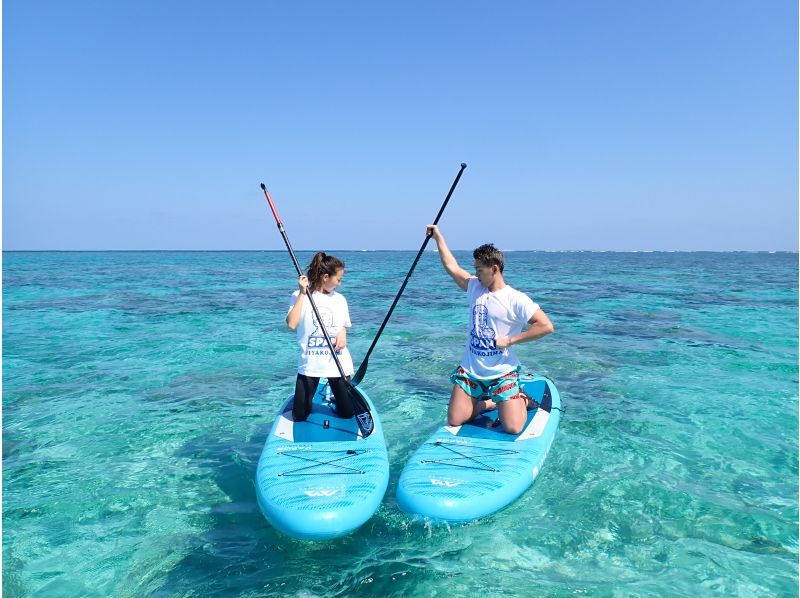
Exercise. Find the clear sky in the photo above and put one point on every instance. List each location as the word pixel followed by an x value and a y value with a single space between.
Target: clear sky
pixel 586 124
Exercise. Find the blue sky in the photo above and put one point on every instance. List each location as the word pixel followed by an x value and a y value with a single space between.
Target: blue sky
pixel 588 124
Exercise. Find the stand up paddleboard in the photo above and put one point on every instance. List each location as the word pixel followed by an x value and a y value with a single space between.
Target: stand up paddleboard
pixel 463 473
pixel 319 479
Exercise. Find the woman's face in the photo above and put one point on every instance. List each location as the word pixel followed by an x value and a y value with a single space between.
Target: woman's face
pixel 330 282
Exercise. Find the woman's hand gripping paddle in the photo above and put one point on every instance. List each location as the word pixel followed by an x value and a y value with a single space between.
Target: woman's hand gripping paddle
pixel 359 403
pixel 362 369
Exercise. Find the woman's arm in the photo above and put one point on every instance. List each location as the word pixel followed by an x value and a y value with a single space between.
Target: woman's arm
pixel 293 317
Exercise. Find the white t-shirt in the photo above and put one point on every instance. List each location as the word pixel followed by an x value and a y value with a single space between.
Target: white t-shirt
pixel 315 356
pixel 494 315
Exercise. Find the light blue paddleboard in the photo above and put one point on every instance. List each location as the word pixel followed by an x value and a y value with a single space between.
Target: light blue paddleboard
pixel 463 473
pixel 320 479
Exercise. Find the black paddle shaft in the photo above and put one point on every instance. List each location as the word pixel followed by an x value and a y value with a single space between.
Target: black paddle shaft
pixel 360 407
pixel 362 369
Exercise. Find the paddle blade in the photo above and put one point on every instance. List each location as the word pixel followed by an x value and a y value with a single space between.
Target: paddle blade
pixel 361 411
pixel 362 369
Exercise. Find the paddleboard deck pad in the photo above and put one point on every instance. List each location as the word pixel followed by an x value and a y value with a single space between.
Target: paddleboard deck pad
pixel 463 473
pixel 319 479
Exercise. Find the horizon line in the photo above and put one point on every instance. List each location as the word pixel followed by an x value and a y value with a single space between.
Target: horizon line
pixel 768 251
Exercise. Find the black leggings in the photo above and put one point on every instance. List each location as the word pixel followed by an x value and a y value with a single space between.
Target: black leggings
pixel 304 390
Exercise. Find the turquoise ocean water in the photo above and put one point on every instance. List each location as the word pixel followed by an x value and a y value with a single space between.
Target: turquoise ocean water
pixel 138 389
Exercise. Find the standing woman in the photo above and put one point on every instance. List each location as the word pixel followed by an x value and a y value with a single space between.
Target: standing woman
pixel 324 274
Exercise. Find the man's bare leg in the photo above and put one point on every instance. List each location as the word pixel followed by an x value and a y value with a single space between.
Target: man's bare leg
pixel 513 415
pixel 464 408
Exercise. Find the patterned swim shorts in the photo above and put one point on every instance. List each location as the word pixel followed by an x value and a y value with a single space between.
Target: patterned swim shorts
pixel 504 388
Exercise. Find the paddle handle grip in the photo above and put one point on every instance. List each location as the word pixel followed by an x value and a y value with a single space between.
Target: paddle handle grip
pixel 282 230
pixel 271 205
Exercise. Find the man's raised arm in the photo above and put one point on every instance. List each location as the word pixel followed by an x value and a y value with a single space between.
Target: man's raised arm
pixel 449 262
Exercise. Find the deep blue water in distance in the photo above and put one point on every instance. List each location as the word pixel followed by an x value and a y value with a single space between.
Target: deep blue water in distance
pixel 139 387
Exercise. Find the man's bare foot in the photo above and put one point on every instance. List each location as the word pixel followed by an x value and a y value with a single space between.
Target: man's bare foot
pixel 488 405
pixel 529 402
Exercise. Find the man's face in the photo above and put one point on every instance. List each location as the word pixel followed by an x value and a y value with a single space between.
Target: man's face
pixel 485 273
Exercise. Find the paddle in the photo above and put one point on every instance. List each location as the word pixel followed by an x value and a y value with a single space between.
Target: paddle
pixel 362 369
pixel 359 403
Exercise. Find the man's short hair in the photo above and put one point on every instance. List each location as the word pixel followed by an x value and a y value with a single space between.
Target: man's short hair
pixel 489 255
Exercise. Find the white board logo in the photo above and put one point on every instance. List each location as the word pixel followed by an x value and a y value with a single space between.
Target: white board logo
pixel 320 493
pixel 447 483
pixel 294 447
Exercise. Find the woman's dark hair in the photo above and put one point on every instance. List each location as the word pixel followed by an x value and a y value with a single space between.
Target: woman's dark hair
pixel 489 255
pixel 322 264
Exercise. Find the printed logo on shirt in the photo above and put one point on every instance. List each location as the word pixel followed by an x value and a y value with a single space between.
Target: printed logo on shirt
pixel 482 336
pixel 317 345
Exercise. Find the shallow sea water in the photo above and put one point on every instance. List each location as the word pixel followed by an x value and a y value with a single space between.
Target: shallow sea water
pixel 139 387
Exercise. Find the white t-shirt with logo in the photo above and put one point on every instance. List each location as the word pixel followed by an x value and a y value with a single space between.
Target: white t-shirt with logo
pixel 315 356
pixel 494 315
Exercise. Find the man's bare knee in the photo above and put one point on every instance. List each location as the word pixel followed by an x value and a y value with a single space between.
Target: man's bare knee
pixel 456 419
pixel 513 428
